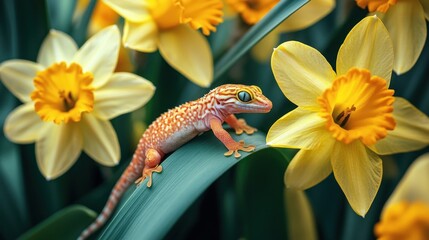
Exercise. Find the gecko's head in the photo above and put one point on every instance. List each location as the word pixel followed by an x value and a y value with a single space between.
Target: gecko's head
pixel 237 98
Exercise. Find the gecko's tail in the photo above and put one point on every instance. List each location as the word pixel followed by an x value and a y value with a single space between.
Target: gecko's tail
pixel 133 171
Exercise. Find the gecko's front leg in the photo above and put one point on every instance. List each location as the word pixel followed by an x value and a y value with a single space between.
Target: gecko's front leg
pixel 223 136
pixel 239 125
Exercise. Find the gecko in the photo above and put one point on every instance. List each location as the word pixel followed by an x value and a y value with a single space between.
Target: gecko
pixel 179 125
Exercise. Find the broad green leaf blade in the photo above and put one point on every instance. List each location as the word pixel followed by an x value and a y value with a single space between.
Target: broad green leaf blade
pixel 277 15
pixel 188 172
pixel 65 224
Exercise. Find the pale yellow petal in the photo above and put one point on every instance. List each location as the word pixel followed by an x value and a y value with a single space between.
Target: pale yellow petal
pixel 57 149
pixel 309 14
pixel 264 49
pixel 99 140
pixel 411 131
pixel 425 5
pixel 99 54
pixel 141 36
pixel 358 171
pixel 131 10
pixel 188 52
pixel 23 125
pixel 300 218
pixel 17 75
pixel 301 72
pixel 368 46
pixel 414 184
pixel 57 47
pixel 310 167
pixel 297 129
pixel 124 92
pixel 406 24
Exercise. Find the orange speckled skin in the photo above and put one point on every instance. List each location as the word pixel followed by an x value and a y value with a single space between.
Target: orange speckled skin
pixel 179 125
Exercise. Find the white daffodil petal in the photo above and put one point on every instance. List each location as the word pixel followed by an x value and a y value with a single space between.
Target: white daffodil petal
pixel 57 47
pixel 100 140
pixel 310 167
pixel 17 75
pixel 309 14
pixel 188 52
pixel 413 185
pixel 23 125
pixel 58 148
pixel 131 10
pixel 368 45
pixel 408 33
pixel 358 171
pixel 297 129
pixel 141 36
pixel 124 92
pixel 411 131
pixel 301 72
pixel 99 55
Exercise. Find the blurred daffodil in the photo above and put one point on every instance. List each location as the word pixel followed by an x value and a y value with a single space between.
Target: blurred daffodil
pixel 253 11
pixel 406 213
pixel 171 26
pixel 406 22
pixel 344 118
pixel 69 95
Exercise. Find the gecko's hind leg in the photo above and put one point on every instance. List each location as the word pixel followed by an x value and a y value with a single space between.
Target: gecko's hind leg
pixel 151 164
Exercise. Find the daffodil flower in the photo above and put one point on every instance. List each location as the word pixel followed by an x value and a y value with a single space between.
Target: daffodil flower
pixel 69 95
pixel 344 119
pixel 170 26
pixel 253 11
pixel 406 214
pixel 406 22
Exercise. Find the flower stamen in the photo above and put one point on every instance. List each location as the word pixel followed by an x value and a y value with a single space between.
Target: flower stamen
pixel 344 116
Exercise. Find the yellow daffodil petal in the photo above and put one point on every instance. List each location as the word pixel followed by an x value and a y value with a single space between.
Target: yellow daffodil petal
pixel 413 185
pixel 99 55
pixel 408 33
pixel 425 5
pixel 57 47
pixel 308 15
pixel 100 140
pixel 141 36
pixel 310 167
pixel 358 171
pixel 301 72
pixel 124 92
pixel 263 49
pixel 188 52
pixel 411 131
pixel 297 129
pixel 23 125
pixel 300 218
pixel 129 9
pixel 17 75
pixel 367 46
pixel 58 148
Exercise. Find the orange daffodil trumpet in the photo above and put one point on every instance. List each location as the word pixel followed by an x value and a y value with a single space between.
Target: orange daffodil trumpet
pixel 171 26
pixel 344 119
pixel 406 22
pixel 69 95
pixel 253 11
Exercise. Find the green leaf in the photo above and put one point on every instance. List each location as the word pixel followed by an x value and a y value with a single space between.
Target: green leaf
pixel 65 224
pixel 61 14
pixel 188 172
pixel 80 28
pixel 277 15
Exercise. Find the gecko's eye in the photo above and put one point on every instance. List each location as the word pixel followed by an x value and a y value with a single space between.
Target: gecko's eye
pixel 244 96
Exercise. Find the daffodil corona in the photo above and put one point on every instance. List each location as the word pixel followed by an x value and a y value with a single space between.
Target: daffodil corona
pixel 69 95
pixel 344 118
pixel 171 26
